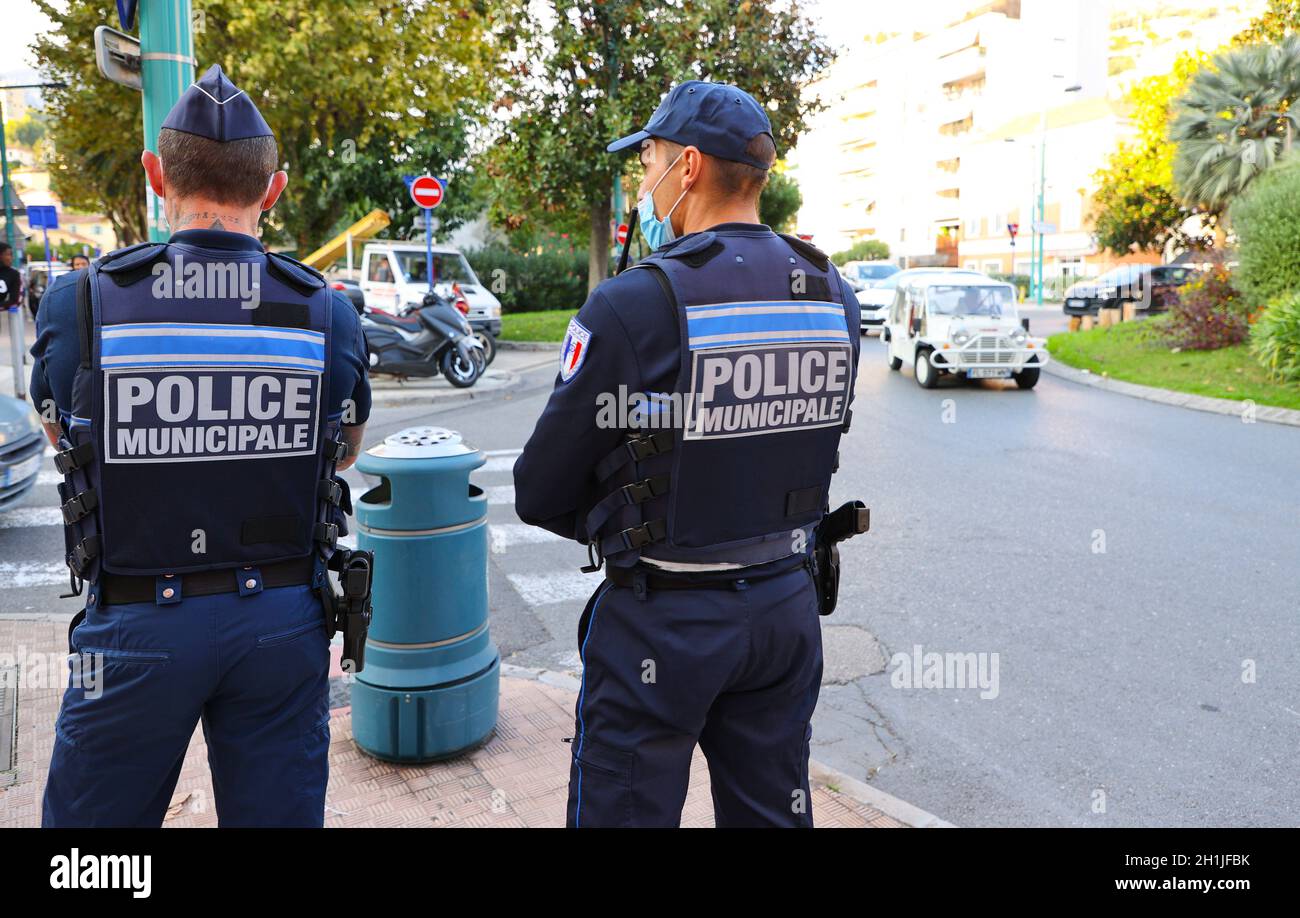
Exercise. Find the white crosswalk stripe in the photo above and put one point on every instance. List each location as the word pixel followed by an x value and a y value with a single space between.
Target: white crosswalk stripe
pixel 24 517
pixel 501 494
pixel 504 535
pixel 563 586
pixel 32 573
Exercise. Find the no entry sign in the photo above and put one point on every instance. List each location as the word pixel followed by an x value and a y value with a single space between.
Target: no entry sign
pixel 426 191
pixel 621 234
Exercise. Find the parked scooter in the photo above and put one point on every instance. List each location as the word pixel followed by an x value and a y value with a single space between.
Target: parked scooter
pixel 433 338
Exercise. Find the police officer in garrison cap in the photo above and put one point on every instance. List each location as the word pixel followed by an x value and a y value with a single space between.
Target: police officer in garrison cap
pixel 202 395
pixel 689 443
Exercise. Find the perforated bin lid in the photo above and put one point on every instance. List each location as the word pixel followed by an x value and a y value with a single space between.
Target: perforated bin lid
pixel 422 443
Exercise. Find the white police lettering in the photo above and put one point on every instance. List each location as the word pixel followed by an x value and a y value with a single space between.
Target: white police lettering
pixel 747 391
pixel 194 413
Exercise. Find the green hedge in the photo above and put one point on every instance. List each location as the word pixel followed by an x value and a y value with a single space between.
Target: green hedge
pixel 1266 220
pixel 1275 338
pixel 554 278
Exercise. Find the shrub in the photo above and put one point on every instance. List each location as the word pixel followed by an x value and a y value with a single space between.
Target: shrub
pixel 553 278
pixel 862 250
pixel 1020 281
pixel 1275 338
pixel 1266 220
pixel 1208 313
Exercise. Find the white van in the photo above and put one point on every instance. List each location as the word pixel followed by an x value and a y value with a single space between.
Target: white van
pixel 393 276
pixel 961 324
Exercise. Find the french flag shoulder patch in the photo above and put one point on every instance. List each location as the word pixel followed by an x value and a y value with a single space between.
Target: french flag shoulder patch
pixel 573 353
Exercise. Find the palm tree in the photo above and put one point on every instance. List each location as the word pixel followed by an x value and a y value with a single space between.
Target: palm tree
pixel 1237 117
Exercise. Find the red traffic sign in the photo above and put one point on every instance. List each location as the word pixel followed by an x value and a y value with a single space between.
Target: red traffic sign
pixel 621 234
pixel 426 191
pixel 1013 228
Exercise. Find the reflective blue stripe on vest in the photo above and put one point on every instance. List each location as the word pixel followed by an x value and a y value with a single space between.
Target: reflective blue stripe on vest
pixel 195 344
pixel 769 322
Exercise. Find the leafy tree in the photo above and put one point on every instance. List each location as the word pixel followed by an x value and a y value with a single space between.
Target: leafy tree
pixel 1234 120
pixel 1279 19
pixel 596 71
pixel 94 125
pixel 1135 206
pixel 26 131
pixel 358 92
pixel 862 250
pixel 780 202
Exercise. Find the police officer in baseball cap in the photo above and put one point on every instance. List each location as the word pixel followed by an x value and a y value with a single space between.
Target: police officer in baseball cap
pixel 203 395
pixel 734 349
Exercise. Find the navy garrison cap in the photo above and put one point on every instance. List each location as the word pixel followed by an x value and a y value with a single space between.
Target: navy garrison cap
pixel 217 109
pixel 717 118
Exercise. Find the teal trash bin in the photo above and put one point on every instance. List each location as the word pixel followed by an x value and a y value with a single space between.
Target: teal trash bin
pixel 431 681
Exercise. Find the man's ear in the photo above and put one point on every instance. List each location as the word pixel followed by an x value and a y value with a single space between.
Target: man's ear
pixel 273 190
pixel 692 166
pixel 153 171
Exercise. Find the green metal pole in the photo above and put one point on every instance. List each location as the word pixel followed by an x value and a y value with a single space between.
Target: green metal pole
pixel 167 70
pixel 1042 182
pixel 4 168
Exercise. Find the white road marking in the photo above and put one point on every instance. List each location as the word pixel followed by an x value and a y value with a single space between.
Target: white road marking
pixel 566 586
pixel 500 494
pixel 502 452
pixel 507 534
pixel 25 517
pixel 29 574
pixel 49 477
pixel 499 464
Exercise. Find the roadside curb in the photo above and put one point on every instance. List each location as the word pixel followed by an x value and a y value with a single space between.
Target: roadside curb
pixel 401 397
pixel 528 345
pixel 1225 406
pixel 851 787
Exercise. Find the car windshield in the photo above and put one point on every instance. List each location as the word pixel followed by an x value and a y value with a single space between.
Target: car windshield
pixel 972 300
pixel 448 267
pixel 875 272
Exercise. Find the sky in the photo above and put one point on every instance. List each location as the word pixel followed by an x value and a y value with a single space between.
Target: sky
pixel 22 23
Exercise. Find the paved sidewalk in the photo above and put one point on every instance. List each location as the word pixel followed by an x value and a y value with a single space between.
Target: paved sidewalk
pixel 519 778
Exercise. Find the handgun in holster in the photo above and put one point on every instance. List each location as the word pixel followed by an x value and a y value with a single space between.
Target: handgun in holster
pixel 350 611
pixel 852 518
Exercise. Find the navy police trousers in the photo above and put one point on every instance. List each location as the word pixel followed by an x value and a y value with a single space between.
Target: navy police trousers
pixel 735 670
pixel 254 669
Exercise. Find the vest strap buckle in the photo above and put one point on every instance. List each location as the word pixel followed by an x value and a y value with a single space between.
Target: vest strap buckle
pixel 642 535
pixel 335 450
pixel 330 491
pixel 642 448
pixel 327 534
pixel 79 506
pixel 74 458
pixel 83 553
pixel 638 492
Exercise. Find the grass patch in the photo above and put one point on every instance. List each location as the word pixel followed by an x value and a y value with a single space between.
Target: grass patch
pixel 1135 352
pixel 549 325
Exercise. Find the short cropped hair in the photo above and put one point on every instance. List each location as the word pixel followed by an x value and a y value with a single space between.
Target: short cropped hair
pixel 742 179
pixel 235 172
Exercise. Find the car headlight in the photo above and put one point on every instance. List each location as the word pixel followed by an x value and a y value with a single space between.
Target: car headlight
pixel 960 336
pixel 1019 337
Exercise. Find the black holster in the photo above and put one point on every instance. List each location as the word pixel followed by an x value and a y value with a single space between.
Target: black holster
pixel 350 611
pixel 850 519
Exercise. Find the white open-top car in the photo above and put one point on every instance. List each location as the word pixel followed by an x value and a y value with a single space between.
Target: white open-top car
pixel 944 324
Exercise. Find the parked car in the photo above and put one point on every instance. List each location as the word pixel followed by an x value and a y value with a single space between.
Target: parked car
pixel 961 324
pixel 22 446
pixel 394 277
pixel 1152 288
pixel 874 302
pixel 868 273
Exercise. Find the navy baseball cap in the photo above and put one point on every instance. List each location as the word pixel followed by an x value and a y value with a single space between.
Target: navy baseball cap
pixel 217 109
pixel 717 118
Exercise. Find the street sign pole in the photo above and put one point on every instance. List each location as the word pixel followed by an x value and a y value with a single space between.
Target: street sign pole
pixel 4 165
pixel 167 70
pixel 428 245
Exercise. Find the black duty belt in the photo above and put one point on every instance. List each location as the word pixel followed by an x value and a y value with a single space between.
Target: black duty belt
pixel 119 589
pixel 711 580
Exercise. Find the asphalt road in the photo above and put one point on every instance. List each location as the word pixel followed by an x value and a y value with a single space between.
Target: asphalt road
pixel 1128 570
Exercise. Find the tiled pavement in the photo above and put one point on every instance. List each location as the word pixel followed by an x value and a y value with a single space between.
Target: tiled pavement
pixel 518 778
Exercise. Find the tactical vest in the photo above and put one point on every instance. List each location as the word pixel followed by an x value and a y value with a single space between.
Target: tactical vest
pixel 200 435
pixel 740 474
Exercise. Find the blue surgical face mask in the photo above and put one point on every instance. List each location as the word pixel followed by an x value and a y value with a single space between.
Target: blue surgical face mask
pixel 656 231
